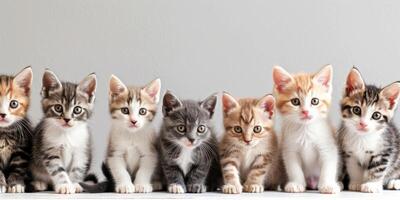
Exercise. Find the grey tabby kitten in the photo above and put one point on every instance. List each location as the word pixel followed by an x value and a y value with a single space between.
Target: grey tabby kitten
pixel 370 142
pixel 62 140
pixel 188 145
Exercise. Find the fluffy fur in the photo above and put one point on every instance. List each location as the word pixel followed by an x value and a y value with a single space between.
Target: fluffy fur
pixel 309 148
pixel 370 142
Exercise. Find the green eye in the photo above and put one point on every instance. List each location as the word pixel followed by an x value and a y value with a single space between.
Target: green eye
pixel 77 110
pixel 181 129
pixel 14 104
pixel 58 108
pixel 376 115
pixel 357 110
pixel 125 110
pixel 257 129
pixel 142 111
pixel 237 129
pixel 201 129
pixel 314 101
pixel 295 101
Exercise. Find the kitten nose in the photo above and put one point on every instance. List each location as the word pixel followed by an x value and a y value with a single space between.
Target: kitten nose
pixel 67 120
pixel 134 122
pixel 3 115
pixel 305 112
pixel 363 125
pixel 191 140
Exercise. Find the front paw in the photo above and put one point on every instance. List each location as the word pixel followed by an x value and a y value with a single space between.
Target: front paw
pixel 355 187
pixel 372 187
pixel 232 188
pixel 333 188
pixel 253 188
pixel 293 187
pixel 143 188
pixel 176 189
pixel 196 188
pixel 157 186
pixel 16 188
pixel 3 188
pixel 66 188
pixel 125 188
pixel 394 184
pixel 39 185
pixel 78 188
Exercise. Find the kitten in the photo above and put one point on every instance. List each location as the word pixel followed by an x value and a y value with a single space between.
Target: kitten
pixel 62 140
pixel 370 141
pixel 249 149
pixel 15 130
pixel 309 148
pixel 188 145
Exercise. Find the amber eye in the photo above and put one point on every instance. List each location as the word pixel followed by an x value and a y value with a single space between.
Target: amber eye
pixel 314 101
pixel 295 101
pixel 201 129
pixel 257 129
pixel 14 104
pixel 357 110
pixel 181 129
pixel 237 129
pixel 376 115
pixel 125 110
pixel 77 110
pixel 142 111
pixel 58 108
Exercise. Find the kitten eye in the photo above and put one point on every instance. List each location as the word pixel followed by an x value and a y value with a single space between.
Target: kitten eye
pixel 125 110
pixel 237 129
pixel 257 129
pixel 376 115
pixel 181 129
pixel 357 110
pixel 77 110
pixel 295 101
pixel 201 129
pixel 14 104
pixel 58 108
pixel 142 111
pixel 314 101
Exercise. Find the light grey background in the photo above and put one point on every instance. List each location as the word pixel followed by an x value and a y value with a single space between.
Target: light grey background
pixel 197 47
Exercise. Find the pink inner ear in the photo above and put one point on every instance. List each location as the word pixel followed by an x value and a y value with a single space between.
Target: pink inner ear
pixel 152 93
pixel 324 80
pixel 268 107
pixel 282 84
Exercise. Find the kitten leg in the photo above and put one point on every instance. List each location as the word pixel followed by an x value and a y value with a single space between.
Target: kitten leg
pixel 393 184
pixel 296 181
pixel 122 178
pixel 18 168
pixel 356 174
pixel 197 177
pixel 78 169
pixel 256 176
pixel 147 165
pixel 3 183
pixel 174 178
pixel 375 174
pixel 230 165
pixel 329 159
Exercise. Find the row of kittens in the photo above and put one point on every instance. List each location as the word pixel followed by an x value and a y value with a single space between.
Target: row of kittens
pixel 363 155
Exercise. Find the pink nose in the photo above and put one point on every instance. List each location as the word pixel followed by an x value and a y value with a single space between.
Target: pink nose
pixel 305 112
pixel 363 125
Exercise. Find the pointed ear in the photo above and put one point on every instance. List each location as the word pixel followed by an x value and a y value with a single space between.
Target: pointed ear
pixel 267 104
pixel 281 78
pixel 88 86
pixel 391 93
pixel 50 83
pixel 324 77
pixel 116 87
pixel 229 103
pixel 354 81
pixel 153 89
pixel 23 80
pixel 170 103
pixel 209 104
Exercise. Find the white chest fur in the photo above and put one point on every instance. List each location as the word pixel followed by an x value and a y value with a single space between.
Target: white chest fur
pixel 185 160
pixel 362 147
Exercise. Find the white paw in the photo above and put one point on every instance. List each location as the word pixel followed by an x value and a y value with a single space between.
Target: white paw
pixel 66 188
pixel 3 189
pixel 143 188
pixel 372 187
pixel 333 188
pixel 293 187
pixel 232 189
pixel 157 186
pixel 18 188
pixel 394 184
pixel 355 187
pixel 253 188
pixel 125 188
pixel 176 189
pixel 39 185
pixel 78 188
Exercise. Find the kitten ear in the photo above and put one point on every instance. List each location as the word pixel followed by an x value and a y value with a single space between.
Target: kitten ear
pixel 170 103
pixel 153 89
pixel 391 93
pixel 229 103
pixel 23 80
pixel 281 78
pixel 88 86
pixel 354 81
pixel 116 87
pixel 267 104
pixel 324 77
pixel 209 104
pixel 50 83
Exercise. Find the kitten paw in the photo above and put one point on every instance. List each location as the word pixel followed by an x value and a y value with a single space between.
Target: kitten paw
pixel 143 188
pixel 355 187
pixel 196 188
pixel 66 188
pixel 157 186
pixel 17 188
pixel 3 188
pixel 232 189
pixel 394 184
pixel 329 188
pixel 293 187
pixel 39 185
pixel 253 188
pixel 125 188
pixel 78 188
pixel 372 187
pixel 176 189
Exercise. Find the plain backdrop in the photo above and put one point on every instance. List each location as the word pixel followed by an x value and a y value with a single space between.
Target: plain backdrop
pixel 197 47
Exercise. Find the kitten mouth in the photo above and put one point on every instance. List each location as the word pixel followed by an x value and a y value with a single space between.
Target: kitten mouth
pixel 3 121
pixel 66 125
pixel 306 118
pixel 364 130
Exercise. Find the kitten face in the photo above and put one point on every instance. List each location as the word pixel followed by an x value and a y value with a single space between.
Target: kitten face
pixel 367 109
pixel 303 98
pixel 66 104
pixel 188 122
pixel 14 96
pixel 248 121
pixel 133 108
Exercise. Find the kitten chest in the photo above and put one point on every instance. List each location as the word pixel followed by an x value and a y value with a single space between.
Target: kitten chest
pixel 363 148
pixel 185 160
